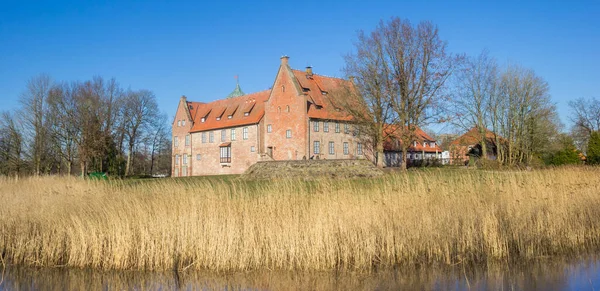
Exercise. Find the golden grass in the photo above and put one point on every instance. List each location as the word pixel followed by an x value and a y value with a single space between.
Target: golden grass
pixel 424 217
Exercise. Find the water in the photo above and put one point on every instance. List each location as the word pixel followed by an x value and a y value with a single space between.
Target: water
pixel 548 275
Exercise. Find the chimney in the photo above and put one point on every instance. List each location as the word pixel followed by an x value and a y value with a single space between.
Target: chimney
pixel 309 72
pixel 284 60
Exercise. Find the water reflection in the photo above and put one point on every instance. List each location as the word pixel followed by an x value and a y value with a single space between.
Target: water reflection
pixel 543 275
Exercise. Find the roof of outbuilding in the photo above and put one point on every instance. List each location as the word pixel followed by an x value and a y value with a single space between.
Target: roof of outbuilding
pixel 394 143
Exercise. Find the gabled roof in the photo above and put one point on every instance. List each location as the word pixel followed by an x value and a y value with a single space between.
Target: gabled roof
pixel 471 137
pixel 394 143
pixel 316 88
pixel 225 107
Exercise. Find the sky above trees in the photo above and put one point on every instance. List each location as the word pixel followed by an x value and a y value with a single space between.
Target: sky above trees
pixel 196 48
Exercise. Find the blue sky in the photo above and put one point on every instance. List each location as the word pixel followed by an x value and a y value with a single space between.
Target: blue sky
pixel 196 48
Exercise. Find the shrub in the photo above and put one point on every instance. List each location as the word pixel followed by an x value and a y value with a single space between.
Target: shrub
pixel 593 151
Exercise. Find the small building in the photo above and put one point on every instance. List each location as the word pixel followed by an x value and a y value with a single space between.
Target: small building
pixel 422 150
pixel 296 119
pixel 469 145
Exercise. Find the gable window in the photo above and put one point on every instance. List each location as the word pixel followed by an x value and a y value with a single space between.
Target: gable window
pixel 187 140
pixel 325 126
pixel 225 154
pixel 183 123
pixel 346 150
pixel 223 135
pixel 337 127
pixel 288 133
pixel 198 157
pixel 204 137
pixel 346 128
pixel 331 148
pixel 269 128
pixel 233 134
pixel 245 133
pixel 211 137
pixel 317 147
pixel 176 141
pixel 178 122
pixel 316 125
pixel 359 149
pixel 176 159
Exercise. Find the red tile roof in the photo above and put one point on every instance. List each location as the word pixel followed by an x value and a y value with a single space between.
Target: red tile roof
pixel 394 143
pixel 316 88
pixel 471 137
pixel 253 103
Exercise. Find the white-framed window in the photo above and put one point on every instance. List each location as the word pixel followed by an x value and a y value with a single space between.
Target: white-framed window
pixel 233 134
pixel 346 128
pixel 183 123
pixel 433 144
pixel 346 149
pixel 252 149
pixel 185 159
pixel 269 128
pixel 198 157
pixel 176 141
pixel 225 156
pixel 337 127
pixel 315 125
pixel 288 133
pixel 223 135
pixel 331 148
pixel 176 159
pixel 245 133
pixel 211 137
pixel 187 140
pixel 325 126
pixel 204 137
pixel 203 119
pixel 178 122
pixel 317 147
pixel 359 149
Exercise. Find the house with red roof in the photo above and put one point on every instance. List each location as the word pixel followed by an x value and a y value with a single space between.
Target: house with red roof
pixel 422 148
pixel 469 144
pixel 296 119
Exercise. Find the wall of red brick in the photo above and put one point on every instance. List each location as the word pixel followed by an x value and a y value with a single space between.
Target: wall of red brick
pixel 180 128
pixel 286 110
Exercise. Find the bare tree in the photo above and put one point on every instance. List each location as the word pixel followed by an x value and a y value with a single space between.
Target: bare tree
pixel 11 145
pixel 416 67
pixel 140 108
pixel 476 85
pixel 586 119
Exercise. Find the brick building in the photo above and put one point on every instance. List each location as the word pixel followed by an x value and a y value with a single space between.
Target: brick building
pixel 296 119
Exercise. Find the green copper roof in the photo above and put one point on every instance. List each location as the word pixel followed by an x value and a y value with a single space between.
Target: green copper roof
pixel 237 92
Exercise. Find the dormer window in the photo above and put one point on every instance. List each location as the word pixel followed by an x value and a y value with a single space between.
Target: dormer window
pixel 246 113
pixel 424 144
pixel 229 116
pixel 323 92
pixel 203 119
pixel 218 117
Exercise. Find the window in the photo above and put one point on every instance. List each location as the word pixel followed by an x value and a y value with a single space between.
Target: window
pixel 288 133
pixel 424 144
pixel 316 146
pixel 203 119
pixel 337 127
pixel 226 154
pixel 223 135
pixel 325 126
pixel 198 157
pixel 229 116
pixel 178 122
pixel 359 149
pixel 176 159
pixel 184 171
pixel 331 148
pixel 269 128
pixel 346 128
pixel 346 151
pixel 287 108
pixel 176 141
pixel 185 159
pixel 183 123
pixel 245 133
pixel 252 149
pixel 204 137
pixel 233 134
pixel 218 118
pixel 246 113
pixel 433 144
pixel 211 137
pixel 187 140
pixel 316 126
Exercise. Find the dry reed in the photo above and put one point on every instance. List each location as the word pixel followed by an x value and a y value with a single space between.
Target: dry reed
pixel 437 216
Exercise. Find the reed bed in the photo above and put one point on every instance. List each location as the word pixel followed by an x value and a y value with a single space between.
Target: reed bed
pixel 419 218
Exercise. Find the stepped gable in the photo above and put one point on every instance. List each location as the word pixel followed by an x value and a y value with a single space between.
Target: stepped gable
pixel 230 112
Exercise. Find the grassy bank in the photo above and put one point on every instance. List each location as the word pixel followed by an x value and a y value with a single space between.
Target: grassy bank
pixel 423 217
